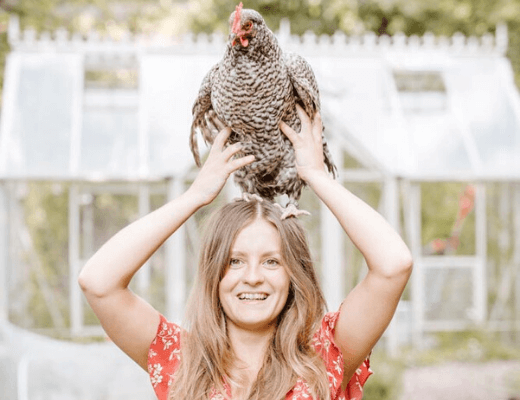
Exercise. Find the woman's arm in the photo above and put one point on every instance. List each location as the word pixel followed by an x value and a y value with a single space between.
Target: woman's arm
pixel 370 306
pixel 127 319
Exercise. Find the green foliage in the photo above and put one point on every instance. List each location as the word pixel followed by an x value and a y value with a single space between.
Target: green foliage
pixel 413 17
pixel 468 346
pixel 207 16
pixel 4 50
pixel 46 217
pixel 470 17
pixel 386 382
pixel 45 260
pixel 444 17
pixel 473 17
pixel 475 346
pixel 440 204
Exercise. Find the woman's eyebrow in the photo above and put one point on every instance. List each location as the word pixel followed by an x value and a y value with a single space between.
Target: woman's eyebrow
pixel 235 253
pixel 272 253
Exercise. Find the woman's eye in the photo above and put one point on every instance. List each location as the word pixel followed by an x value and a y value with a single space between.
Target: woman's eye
pixel 271 262
pixel 234 262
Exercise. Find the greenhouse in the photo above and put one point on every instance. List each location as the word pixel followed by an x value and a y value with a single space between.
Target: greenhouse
pixel 94 133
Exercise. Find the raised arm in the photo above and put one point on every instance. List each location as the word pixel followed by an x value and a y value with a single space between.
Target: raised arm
pixel 370 306
pixel 126 318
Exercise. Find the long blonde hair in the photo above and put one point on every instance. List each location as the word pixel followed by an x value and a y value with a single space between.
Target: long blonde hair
pixel 206 353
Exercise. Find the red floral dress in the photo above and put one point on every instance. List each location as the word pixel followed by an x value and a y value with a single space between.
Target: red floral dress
pixel 165 354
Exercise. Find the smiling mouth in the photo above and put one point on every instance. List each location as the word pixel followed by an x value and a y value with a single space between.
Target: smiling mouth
pixel 253 296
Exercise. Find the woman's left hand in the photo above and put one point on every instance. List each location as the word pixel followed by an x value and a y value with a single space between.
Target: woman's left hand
pixel 220 164
pixel 308 145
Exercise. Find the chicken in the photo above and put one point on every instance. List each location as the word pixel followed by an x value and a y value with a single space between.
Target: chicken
pixel 254 87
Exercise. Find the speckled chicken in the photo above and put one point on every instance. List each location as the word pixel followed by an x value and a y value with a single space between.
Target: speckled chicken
pixel 252 89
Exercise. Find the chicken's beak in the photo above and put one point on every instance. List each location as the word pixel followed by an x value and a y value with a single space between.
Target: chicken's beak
pixel 236 39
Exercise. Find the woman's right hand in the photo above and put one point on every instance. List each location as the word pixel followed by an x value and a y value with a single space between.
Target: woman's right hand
pixel 217 168
pixel 308 146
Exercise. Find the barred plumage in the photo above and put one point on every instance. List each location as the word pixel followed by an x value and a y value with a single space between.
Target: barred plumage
pixel 252 89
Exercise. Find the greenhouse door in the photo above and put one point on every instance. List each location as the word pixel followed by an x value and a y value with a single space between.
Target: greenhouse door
pixel 96 213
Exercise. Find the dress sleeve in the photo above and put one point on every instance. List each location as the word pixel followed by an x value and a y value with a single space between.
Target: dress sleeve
pixel 324 345
pixel 164 357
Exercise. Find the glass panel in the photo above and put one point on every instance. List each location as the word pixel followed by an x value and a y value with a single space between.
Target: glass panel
pixel 419 81
pixel 447 219
pixel 4 250
pixel 111 213
pixel 157 293
pixel 498 140
pixel 458 120
pixel 102 216
pixel 113 78
pixel 362 101
pixel 413 102
pixel 481 101
pixel 170 84
pixel 39 265
pixel 448 294
pixel 437 144
pixel 109 141
pixel 42 121
pixel 354 262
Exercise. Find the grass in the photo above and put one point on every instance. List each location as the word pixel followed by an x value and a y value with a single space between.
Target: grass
pixel 469 346
pixel 474 346
pixel 386 382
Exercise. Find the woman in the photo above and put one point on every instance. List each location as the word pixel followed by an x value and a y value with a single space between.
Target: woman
pixel 257 327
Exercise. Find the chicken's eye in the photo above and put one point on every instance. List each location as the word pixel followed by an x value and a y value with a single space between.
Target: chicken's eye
pixel 248 25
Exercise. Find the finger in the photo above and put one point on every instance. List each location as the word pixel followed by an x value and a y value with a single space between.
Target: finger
pixel 317 126
pixel 317 122
pixel 230 151
pixel 288 131
pixel 304 118
pixel 241 162
pixel 221 138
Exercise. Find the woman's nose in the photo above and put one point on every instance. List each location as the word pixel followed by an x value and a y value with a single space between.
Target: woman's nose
pixel 253 274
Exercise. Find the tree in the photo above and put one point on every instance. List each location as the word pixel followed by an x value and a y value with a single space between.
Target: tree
pixel 315 15
pixel 413 17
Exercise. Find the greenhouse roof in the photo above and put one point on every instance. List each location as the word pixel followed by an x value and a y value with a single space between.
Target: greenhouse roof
pixel 98 109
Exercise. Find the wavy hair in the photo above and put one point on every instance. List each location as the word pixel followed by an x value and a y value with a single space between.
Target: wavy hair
pixel 206 353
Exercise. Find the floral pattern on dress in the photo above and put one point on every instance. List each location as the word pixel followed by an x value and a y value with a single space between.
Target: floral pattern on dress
pixel 164 357
pixel 165 354
pixel 323 342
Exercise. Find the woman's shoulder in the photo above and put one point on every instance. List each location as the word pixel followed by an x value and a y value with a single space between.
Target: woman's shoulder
pixel 324 336
pixel 164 356
pixel 324 345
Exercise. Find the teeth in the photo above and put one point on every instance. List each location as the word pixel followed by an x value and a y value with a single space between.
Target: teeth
pixel 252 296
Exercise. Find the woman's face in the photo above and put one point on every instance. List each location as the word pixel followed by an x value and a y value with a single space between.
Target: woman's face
pixel 255 286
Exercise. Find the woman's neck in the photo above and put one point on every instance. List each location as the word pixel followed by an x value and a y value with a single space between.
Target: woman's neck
pixel 249 347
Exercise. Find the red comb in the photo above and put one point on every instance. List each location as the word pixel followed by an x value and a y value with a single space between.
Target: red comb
pixel 236 22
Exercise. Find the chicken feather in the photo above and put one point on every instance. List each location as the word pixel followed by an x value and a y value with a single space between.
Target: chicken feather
pixel 251 89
